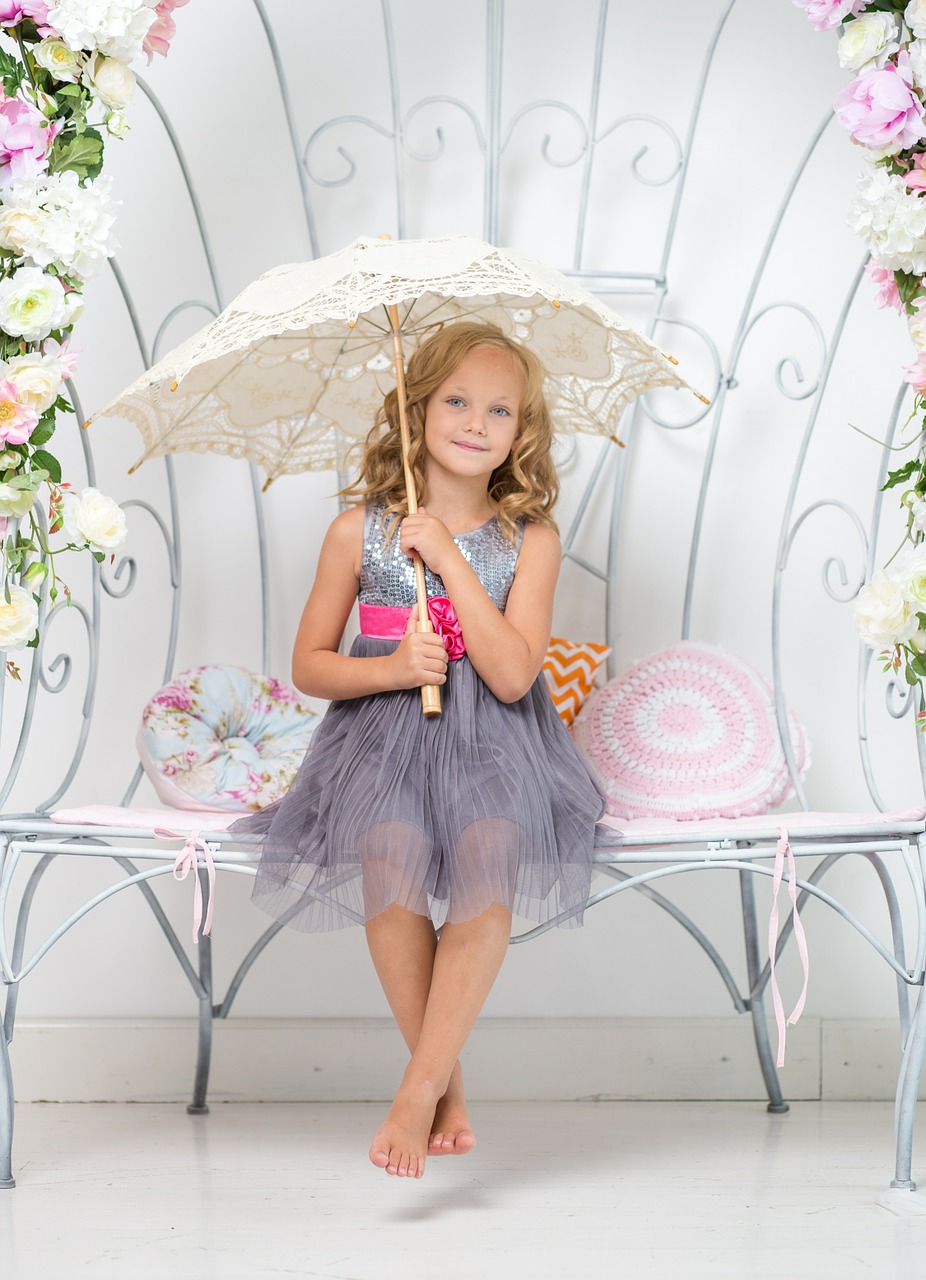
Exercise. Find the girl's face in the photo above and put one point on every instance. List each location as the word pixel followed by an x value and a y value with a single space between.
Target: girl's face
pixel 471 419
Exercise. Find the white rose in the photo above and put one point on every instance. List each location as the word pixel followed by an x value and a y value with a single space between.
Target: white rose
pixel 18 619
pixel 54 55
pixel 19 229
pixel 883 614
pixel 868 41
pixel 912 579
pixel 116 124
pixel 111 81
pixel 37 379
pixel 915 17
pixel 32 303
pixel 916 327
pixel 15 502
pixel 94 518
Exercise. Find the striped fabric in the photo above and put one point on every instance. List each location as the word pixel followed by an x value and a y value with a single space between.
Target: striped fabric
pixel 571 670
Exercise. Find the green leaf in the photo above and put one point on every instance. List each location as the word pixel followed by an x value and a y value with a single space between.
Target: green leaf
pixel 43 432
pixel 12 71
pixel 919 664
pixel 910 675
pixel 82 153
pixel 99 556
pixel 901 475
pixel 48 462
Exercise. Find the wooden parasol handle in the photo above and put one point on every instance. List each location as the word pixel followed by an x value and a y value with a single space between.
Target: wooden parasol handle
pixel 430 693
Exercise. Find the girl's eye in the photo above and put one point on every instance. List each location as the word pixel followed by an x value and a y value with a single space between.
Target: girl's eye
pixel 501 411
pixel 454 400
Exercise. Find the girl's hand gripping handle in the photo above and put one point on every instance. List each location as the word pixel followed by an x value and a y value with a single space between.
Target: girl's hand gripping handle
pixel 421 659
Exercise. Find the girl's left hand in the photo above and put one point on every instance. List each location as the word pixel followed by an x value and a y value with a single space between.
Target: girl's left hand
pixel 430 537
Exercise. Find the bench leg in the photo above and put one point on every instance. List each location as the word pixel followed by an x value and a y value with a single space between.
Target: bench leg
pixel 6 1114
pixel 198 1106
pixel 776 1102
pixel 907 1089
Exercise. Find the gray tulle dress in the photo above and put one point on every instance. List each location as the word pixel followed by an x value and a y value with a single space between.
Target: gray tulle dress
pixel 489 802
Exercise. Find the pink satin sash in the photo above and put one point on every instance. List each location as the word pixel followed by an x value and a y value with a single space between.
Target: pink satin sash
pixel 388 622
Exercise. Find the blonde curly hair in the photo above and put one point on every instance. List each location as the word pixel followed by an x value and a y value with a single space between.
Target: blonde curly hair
pixel 524 486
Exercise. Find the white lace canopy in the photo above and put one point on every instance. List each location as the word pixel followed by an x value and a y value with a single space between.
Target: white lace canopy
pixel 292 372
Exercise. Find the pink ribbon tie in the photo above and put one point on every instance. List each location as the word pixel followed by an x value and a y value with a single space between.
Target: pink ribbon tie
pixel 187 860
pixel 783 850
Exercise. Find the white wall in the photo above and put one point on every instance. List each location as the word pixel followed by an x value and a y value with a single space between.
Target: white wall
pixel 772 82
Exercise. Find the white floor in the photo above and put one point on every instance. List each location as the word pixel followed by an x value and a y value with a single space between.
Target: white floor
pixel 630 1190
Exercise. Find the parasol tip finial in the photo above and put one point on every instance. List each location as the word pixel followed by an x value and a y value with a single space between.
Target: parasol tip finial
pixel 174 385
pixel 671 359
pixel 352 324
pixel 132 470
pixel 703 399
pixel 554 303
pixel 384 235
pixel 85 425
pixel 266 485
pixel 620 443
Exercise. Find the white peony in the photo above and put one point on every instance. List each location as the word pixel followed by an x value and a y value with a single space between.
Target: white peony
pixel 64 63
pixel 111 81
pixel 114 27
pixel 911 574
pixel 19 619
pixel 915 17
pixel 54 221
pixel 37 379
pixel 918 511
pixel 95 519
pixel 32 304
pixel 891 219
pixel 15 502
pixel 883 614
pixel 917 51
pixel 916 326
pixel 869 41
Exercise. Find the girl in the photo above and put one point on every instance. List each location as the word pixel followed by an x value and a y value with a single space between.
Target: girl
pixel 402 822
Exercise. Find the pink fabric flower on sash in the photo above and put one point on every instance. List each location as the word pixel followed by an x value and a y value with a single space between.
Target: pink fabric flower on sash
pixel 447 625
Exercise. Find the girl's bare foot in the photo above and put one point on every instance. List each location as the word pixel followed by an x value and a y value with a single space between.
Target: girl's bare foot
pixel 450 1132
pixel 401 1144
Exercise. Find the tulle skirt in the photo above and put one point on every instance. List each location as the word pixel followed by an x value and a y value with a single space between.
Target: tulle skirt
pixel 488 803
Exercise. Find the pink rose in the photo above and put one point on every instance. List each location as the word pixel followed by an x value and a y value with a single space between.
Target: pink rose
pixel 174 695
pixel 915 374
pixel 887 286
pixel 17 422
pixel 880 108
pixel 279 691
pixel 828 14
pixel 447 625
pixel 163 29
pixel 12 12
pixel 25 138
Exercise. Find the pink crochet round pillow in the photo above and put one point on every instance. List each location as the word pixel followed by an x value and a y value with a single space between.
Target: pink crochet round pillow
pixel 689 732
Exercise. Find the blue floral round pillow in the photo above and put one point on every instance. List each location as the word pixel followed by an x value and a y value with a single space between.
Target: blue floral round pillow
pixel 224 738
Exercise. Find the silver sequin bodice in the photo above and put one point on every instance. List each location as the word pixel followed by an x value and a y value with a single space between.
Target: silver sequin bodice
pixel 387 575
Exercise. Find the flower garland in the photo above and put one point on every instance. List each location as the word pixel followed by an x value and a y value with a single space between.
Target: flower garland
pixel 65 83
pixel 883 42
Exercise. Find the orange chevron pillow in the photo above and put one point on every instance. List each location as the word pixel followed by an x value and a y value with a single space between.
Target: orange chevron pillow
pixel 571 671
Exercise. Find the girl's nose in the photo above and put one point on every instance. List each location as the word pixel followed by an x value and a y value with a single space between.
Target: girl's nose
pixel 475 425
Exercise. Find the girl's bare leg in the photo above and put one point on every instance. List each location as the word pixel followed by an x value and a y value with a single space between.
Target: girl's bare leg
pixel 466 961
pixel 402 945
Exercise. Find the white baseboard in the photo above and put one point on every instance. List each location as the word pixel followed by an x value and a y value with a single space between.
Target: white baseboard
pixel 344 1060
